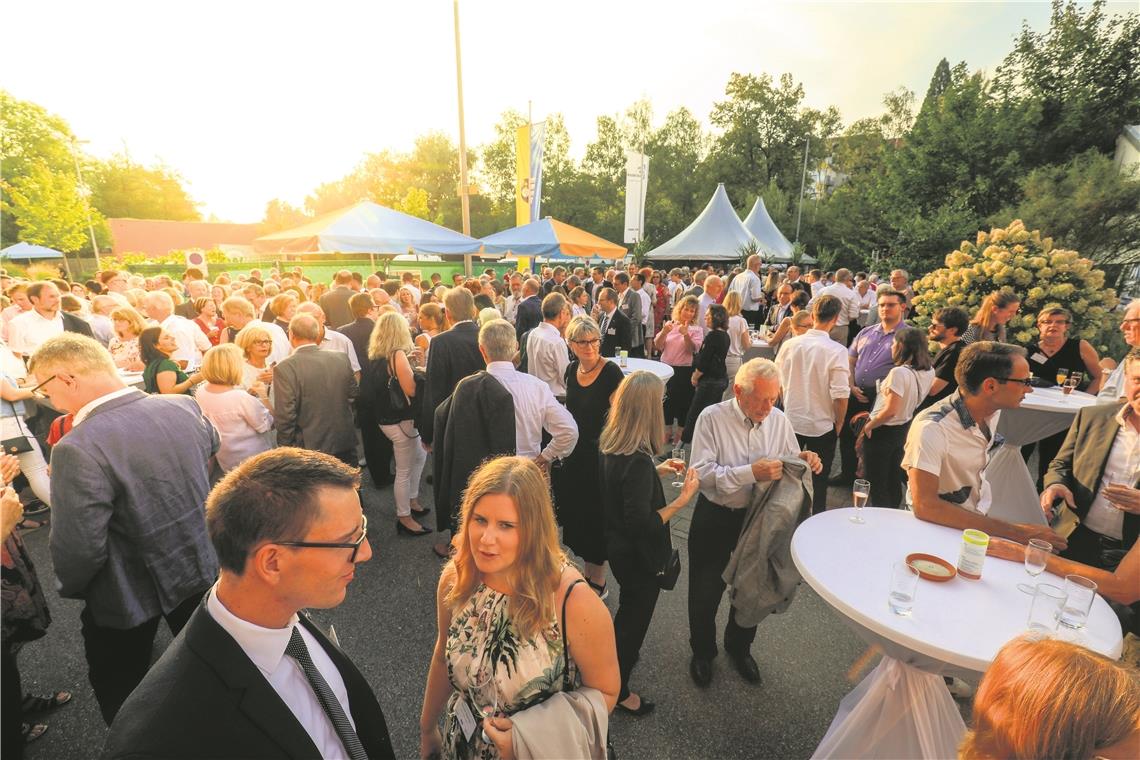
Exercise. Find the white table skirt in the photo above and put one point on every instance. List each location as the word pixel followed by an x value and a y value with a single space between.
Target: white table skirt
pixel 1044 412
pixel 662 370
pixel 902 709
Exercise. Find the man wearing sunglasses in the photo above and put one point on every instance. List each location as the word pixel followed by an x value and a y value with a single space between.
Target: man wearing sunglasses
pixel 950 444
pixel 252 676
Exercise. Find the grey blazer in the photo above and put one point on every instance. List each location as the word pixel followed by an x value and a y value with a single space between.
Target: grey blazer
pixel 129 485
pixel 629 304
pixel 314 390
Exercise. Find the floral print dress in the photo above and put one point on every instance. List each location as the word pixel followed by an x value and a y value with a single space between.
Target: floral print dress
pixel 491 667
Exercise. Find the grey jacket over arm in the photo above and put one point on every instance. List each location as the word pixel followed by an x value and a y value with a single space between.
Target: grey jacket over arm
pixel 129 486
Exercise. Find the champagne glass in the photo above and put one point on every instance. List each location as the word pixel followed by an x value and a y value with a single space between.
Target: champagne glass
pixel 484 694
pixel 1076 378
pixel 677 462
pixel 860 492
pixel 1062 375
pixel 1036 553
pixel 1070 385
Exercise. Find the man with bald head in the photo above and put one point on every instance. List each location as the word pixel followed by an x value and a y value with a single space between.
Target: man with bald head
pixel 528 315
pixel 1113 388
pixel 313 394
pixel 751 289
pixel 332 340
pixel 192 342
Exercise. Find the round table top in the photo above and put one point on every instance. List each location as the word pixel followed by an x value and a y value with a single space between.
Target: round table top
pixel 662 370
pixel 1054 400
pixel 960 622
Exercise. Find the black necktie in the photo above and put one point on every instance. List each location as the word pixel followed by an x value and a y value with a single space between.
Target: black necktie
pixel 299 652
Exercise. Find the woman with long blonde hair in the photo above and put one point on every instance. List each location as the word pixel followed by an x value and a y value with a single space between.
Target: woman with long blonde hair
pixel 739 338
pixel 503 603
pixel 989 323
pixel 389 349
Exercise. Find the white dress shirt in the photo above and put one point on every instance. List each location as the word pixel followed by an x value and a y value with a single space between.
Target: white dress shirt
pixel 265 647
pixel 750 288
pixel 28 330
pixel 849 297
pixel 336 341
pixel 536 409
pixel 192 342
pixel 547 357
pixel 1121 468
pixel 703 305
pixel 726 443
pixel 814 372
pixel 511 307
pixel 646 312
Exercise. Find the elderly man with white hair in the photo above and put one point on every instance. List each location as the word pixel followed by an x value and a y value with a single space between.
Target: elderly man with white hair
pixel 736 444
pixel 192 342
pixel 331 340
pixel 1113 388
pixel 714 286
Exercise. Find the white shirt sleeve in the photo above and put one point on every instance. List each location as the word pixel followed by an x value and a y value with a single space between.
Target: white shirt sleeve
pixel 558 421
pixel 838 376
pixel 925 448
pixel 714 476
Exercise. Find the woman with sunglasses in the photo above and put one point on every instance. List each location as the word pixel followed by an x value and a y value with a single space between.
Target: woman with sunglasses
pixel 590 382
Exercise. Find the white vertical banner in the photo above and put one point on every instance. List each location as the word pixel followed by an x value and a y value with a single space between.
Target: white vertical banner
pixel 636 182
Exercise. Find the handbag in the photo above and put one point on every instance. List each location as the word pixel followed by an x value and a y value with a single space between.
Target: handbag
pixel 25 611
pixel 397 400
pixel 17 444
pixel 668 574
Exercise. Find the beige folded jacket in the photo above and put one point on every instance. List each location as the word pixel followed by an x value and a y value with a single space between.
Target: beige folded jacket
pixel 568 725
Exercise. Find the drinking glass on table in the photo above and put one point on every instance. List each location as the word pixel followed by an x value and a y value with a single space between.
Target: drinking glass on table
pixel 1080 593
pixel 1069 386
pixel 1045 609
pixel 904 583
pixel 677 462
pixel 860 492
pixel 1062 376
pixel 1036 552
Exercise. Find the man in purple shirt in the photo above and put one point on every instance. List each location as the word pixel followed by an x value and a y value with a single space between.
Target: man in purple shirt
pixel 870 358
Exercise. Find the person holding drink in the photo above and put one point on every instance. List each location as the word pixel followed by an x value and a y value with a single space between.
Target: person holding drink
pixel 678 341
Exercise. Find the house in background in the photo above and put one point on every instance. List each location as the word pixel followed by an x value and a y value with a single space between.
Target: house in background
pixel 157 237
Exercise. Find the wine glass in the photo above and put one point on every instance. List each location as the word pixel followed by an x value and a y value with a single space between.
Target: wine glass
pixel 677 462
pixel 1070 385
pixel 1076 378
pixel 860 492
pixel 1036 553
pixel 1062 375
pixel 484 694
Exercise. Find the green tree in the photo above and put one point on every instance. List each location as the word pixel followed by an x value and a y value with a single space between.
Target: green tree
pixel 280 215
pixel 940 82
pixel 49 210
pixel 121 188
pixel 677 188
pixel 498 172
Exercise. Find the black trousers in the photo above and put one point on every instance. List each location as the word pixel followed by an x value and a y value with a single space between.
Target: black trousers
pixel 1047 449
pixel 637 599
pixel 118 658
pixel 637 352
pixel 707 393
pixel 753 318
pixel 11 696
pixel 882 461
pixel 824 446
pixel 712 537
pixel 377 448
pixel 847 438
pixel 1093 549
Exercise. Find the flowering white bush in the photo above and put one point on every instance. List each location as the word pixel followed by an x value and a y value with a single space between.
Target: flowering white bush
pixel 1012 258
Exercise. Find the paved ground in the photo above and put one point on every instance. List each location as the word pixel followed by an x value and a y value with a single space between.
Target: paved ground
pixel 387 627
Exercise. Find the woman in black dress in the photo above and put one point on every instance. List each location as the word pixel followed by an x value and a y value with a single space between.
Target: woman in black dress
pixel 590 381
pixel 709 375
pixel 637 518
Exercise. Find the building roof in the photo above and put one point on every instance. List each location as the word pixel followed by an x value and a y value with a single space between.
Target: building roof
pixel 157 237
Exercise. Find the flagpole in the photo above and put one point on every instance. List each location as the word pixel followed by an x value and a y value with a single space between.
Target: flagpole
pixel 464 201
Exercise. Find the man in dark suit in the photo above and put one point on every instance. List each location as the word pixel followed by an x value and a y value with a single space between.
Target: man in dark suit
pixel 529 313
pixel 615 326
pixel 377 447
pixel 629 304
pixel 313 394
pixel 1097 474
pixel 335 302
pixel 782 308
pixel 128 537
pixel 195 289
pixel 253 677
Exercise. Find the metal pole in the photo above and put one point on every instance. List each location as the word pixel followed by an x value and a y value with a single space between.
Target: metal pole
pixel 803 179
pixel 464 201
pixel 86 201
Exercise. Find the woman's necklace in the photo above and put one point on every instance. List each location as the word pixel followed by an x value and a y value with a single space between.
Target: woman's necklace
pixel 583 371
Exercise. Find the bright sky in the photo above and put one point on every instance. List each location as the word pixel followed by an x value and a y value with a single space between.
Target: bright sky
pixel 252 100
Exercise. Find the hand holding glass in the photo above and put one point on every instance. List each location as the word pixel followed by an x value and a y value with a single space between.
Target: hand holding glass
pixel 678 465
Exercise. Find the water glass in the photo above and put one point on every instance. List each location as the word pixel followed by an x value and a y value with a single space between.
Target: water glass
pixel 1080 593
pixel 678 471
pixel 904 584
pixel 1036 554
pixel 1045 609
pixel 860 492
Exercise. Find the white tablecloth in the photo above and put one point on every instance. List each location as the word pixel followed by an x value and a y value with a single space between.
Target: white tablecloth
pixel 759 350
pixel 662 370
pixel 902 708
pixel 1044 412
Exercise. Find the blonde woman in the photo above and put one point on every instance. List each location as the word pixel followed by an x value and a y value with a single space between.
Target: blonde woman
pixel 989 323
pixel 256 345
pixel 514 626
pixel 738 336
pixel 430 322
pixel 124 346
pixel 388 350
pixel 243 419
pixel 636 515
pixel 678 341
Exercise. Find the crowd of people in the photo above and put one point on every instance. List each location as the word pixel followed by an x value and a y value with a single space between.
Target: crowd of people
pixel 204 435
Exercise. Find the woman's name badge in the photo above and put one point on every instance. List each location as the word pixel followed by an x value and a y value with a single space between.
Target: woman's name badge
pixel 466 719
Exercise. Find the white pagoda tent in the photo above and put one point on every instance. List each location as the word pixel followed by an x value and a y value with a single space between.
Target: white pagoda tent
pixel 773 245
pixel 716 235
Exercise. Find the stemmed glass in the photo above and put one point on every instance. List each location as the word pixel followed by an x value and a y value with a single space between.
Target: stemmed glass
pixel 1062 375
pixel 860 492
pixel 1036 553
pixel 484 693
pixel 677 462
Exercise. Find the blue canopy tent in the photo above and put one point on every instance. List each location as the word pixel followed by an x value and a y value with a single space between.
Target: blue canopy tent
pixel 29 252
pixel 368 227
pixel 552 240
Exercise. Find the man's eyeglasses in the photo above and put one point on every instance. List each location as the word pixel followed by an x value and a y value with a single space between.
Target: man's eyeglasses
pixel 37 392
pixel 354 545
pixel 1026 381
pixel 1052 322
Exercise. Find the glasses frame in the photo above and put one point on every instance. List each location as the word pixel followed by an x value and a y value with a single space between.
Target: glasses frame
pixel 587 342
pixel 354 545
pixel 37 392
pixel 1027 382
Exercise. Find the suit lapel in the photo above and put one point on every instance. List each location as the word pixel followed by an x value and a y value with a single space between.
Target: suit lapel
pixel 258 701
pixel 1098 442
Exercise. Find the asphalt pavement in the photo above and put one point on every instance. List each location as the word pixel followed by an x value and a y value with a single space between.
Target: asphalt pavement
pixel 387 626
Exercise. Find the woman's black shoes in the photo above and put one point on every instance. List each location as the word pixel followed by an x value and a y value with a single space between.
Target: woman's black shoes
pixel 644 708
pixel 421 511
pixel 403 530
